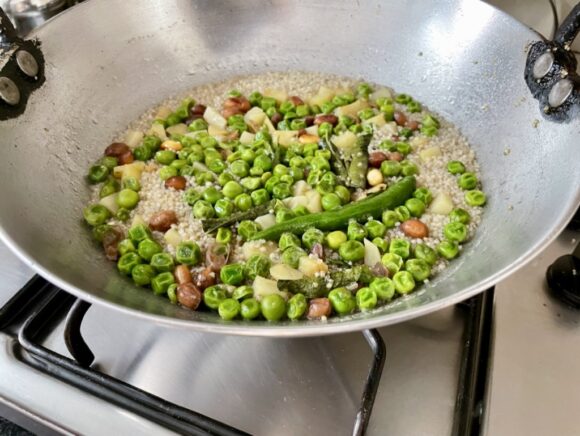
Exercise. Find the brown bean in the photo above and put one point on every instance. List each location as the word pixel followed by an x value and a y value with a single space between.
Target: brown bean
pixel 216 257
pixel 318 250
pixel 182 274
pixel 318 307
pixel 415 228
pixel 241 104
pixel 188 295
pixel 204 278
pixel 376 158
pixel 380 270
pixel 116 149
pixel 163 220
pixel 111 240
pixel 176 182
pixel 231 111
pixel 197 109
pixel 296 101
pixel 126 158
pixel 412 124
pixel 395 155
pixel 309 120
pixel 276 118
pixel 328 118
pixel 400 118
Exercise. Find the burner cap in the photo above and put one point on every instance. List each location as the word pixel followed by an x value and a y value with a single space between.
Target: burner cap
pixel 564 279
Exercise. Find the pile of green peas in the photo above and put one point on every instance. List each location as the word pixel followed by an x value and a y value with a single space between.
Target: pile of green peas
pixel 468 182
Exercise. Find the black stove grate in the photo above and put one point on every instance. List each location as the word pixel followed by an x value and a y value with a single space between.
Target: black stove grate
pixel 39 306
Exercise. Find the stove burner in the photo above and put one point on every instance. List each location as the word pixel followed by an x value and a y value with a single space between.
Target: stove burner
pixel 563 278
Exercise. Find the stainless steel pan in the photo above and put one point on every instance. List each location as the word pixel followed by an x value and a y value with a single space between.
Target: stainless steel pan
pixel 108 61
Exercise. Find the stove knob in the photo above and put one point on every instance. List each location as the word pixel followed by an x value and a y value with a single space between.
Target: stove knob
pixel 563 278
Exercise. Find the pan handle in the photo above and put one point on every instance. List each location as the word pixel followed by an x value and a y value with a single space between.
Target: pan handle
pixel 551 72
pixel 21 69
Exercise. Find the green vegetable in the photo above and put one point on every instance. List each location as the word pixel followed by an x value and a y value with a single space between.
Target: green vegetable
pixel 288 240
pixel 343 193
pixel 110 162
pixel 273 307
pixel 232 274
pixel 165 157
pixel 415 206
pixel 408 168
pixel 212 195
pixel 96 214
pixel 467 181
pixel 297 306
pixel 424 195
pixel 263 162
pixel 292 255
pixel 243 292
pixel 213 296
pixel 127 199
pixel 401 247
pixel 331 202
pixel 383 287
pixel 393 262
pixel 281 190
pixel 147 248
pixel 375 229
pixel 161 282
pixel 243 202
pixel 210 225
pixel 224 208
pixel 381 244
pixel 203 209
pixel 366 299
pixel 455 167
pixel 142 274
pixel 250 309
pixel 448 249
pixel 459 215
pixel 224 235
pixel 188 253
pixel 232 189
pixel 336 239
pixel 132 183
pixel 403 213
pixel 370 206
pixel 475 198
pixel 312 236
pixel 139 232
pixel 228 309
pixel 98 174
pixel 162 262
pixel 127 262
pixel 260 197
pixel 172 293
pixel 390 168
pixel 251 183
pixel 109 188
pixel 426 253
pixel 190 196
pixel 315 287
pixel 404 282
pixel 342 301
pixel 455 231
pixel 126 246
pixel 390 218
pixel 419 269
pixel 352 251
pixel 355 231
pixel 100 231
pixel 248 229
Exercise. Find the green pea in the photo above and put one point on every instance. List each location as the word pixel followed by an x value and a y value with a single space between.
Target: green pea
pixel 388 111
pixel 110 162
pixel 98 174
pixel 404 148
pixel 455 167
pixel 393 262
pixel 401 247
pixel 197 125
pixel 365 114
pixel 257 265
pixel 147 248
pixel 281 170
pixel 336 239
pixel 419 269
pixel 178 163
pixel 364 90
pixel 109 188
pixel 310 149
pixel 297 162
pixel 151 142
pixel 356 128
pixel 165 157
pixel 403 213
pixel 455 231
pixel 343 193
pixel 126 246
pixel 208 142
pixel 459 215
pixel 172 293
pixel 188 253
pixel 224 235
pixel 232 189
pixel 383 287
pixel 327 107
pixel 228 309
pixel 224 207
pixel 195 156
pixel 243 292
pixel 324 129
pixel 187 170
pixel 217 166
pixel 381 244
pixel 131 183
pixel 291 256
pixel 389 145
pixel 213 296
pixel 297 306
pixel 240 168
pixel 162 262
pixel 404 282
pixel 352 251
pixel 375 229
pixel 203 209
pixel 314 177
pixel 282 190
pixel 342 301
pixel 100 231
pixel 203 178
pixel 327 184
pixel 415 206
pixel 288 239
pixel 273 307
pixel 139 232
pixel 127 262
pixel 251 183
pixel 167 172
pixel 448 249
pixel 250 309
pixel 430 121
pixel 300 211
pixel 96 214
pixel 424 195
pixel 467 181
pixel 390 219
pixel 232 274
pixel 390 168
pixel 212 195
pixel 324 154
pixel 271 182
pixel 142 274
pixel 319 163
pixel 409 168
pixel 425 253
pixel 413 107
pixel 403 98
pixel 366 299
pixel 224 178
pixel 331 201
pixel 475 198
pixel 355 231
pixel 127 198
pixel 260 196
pixel 263 162
pixel 312 236
pixel 247 229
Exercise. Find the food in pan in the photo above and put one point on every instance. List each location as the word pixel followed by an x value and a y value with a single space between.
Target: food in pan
pixel 285 196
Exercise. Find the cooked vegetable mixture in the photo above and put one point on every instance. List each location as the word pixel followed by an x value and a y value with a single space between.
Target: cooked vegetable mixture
pixel 286 196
